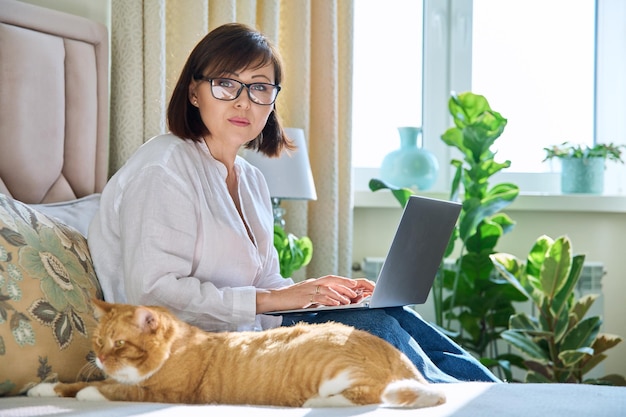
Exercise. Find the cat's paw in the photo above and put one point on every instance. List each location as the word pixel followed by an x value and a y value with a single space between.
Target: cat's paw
pixel 45 389
pixel 412 394
pixel 90 394
pixel 430 396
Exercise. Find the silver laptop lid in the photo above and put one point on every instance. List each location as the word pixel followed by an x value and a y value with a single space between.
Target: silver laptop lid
pixel 416 252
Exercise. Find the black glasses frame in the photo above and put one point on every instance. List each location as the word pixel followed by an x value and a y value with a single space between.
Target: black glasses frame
pixel 241 86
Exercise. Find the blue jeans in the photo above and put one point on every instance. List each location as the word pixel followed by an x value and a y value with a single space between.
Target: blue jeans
pixel 436 356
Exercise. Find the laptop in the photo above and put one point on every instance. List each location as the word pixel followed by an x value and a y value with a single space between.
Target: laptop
pixel 413 259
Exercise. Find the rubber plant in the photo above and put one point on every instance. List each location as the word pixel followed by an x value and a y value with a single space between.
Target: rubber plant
pixel 560 343
pixel 293 252
pixel 472 303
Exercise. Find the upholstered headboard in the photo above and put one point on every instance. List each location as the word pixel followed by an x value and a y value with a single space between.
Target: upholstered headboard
pixel 53 104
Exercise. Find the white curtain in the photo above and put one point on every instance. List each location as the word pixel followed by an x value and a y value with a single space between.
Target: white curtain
pixel 150 41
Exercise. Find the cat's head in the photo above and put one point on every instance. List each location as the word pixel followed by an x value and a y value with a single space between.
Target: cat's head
pixel 131 342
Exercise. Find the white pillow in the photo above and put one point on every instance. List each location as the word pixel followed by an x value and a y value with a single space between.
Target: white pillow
pixel 75 213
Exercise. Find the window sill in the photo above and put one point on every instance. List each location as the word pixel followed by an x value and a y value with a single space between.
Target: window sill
pixel 524 202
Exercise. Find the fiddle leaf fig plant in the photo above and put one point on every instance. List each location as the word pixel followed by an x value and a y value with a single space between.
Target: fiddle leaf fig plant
pixel 472 303
pixel 293 252
pixel 561 344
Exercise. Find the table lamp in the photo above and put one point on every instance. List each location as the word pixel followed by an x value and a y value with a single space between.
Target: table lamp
pixel 289 176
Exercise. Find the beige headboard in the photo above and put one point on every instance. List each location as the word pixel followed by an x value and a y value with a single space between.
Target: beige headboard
pixel 53 104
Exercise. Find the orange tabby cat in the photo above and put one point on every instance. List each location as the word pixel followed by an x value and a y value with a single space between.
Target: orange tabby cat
pixel 150 355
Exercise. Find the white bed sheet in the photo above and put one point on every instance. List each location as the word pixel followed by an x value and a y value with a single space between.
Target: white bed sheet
pixel 467 399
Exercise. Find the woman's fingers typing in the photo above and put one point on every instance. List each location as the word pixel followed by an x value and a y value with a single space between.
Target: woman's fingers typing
pixel 335 290
pixel 328 290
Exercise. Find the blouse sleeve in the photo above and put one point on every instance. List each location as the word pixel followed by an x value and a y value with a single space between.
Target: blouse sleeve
pixel 159 217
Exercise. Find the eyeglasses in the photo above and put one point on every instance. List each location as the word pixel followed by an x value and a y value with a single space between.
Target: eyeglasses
pixel 227 89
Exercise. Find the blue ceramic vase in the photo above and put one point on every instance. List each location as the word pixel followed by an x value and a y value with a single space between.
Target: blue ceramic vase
pixel 410 166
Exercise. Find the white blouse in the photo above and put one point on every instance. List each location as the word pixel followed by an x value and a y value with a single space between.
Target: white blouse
pixel 168 233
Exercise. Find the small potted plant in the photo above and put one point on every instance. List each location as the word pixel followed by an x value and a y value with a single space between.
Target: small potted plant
pixel 293 252
pixel 582 167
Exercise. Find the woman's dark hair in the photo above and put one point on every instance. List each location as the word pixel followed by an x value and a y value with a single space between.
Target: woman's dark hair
pixel 228 48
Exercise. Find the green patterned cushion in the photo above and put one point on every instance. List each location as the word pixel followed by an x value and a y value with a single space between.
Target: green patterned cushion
pixel 46 282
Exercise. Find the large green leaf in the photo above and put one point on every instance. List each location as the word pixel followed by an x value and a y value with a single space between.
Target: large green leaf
pixel 508 266
pixel 555 268
pixel 454 137
pixel 486 237
pixel 582 335
pixel 503 191
pixel 525 344
pixel 477 210
pixel 466 107
pixel 569 286
pixel 505 222
pixel 521 322
pixel 479 137
pixel 401 194
pixel 582 306
pixel 536 256
pixel 571 357
pixel 476 266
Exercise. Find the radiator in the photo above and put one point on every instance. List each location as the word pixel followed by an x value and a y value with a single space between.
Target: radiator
pixel 371 267
pixel 590 281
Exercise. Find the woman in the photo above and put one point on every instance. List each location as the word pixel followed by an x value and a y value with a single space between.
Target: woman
pixel 188 224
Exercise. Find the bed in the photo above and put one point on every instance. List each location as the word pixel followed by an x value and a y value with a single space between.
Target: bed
pixel 53 165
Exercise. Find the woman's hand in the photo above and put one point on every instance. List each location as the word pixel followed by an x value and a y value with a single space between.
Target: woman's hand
pixel 330 290
pixel 364 289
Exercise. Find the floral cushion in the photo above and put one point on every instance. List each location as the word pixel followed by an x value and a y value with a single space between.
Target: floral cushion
pixel 47 280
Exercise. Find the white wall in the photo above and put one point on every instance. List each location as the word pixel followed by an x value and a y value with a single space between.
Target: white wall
pixel 600 236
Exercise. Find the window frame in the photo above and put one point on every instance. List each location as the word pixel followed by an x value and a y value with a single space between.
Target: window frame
pixel 447 49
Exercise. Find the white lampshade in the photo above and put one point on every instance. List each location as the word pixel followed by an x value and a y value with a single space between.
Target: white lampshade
pixel 288 176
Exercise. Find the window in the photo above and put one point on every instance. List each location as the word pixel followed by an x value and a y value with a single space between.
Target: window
pixel 537 76
pixel 387 75
pixel 551 67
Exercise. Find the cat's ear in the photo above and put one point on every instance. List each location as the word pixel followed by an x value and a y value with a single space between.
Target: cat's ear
pixel 146 319
pixel 100 308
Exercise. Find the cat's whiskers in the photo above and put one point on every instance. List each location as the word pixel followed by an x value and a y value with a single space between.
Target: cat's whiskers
pixel 88 370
